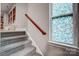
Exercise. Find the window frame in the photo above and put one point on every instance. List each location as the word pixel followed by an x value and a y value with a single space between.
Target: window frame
pixel 63 15
pixel 75 25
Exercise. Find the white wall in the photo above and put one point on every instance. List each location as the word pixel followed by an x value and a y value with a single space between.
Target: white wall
pixel 5 19
pixel 21 21
pixel 0 10
pixel 40 14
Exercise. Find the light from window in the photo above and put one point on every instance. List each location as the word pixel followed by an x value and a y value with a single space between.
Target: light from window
pixel 62 23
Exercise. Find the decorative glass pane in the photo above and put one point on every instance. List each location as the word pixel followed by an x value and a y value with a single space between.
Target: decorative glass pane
pixel 62 27
pixel 62 30
pixel 61 8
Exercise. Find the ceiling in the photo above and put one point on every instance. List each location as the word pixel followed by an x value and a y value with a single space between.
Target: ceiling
pixel 5 7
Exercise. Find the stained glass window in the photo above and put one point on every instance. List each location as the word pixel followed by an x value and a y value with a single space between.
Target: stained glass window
pixel 62 27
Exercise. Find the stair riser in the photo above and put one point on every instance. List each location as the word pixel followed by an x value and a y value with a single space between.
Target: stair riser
pixel 8 52
pixel 6 42
pixel 14 47
pixel 14 50
pixel 9 34
pixel 28 51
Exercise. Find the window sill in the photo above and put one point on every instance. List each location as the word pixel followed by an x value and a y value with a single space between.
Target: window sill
pixel 64 45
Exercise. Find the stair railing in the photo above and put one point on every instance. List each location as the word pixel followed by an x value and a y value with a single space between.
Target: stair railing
pixel 41 30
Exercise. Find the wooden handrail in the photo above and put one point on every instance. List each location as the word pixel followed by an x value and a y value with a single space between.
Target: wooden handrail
pixel 44 33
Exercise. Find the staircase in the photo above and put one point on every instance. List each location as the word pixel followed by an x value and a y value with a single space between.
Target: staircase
pixel 16 44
